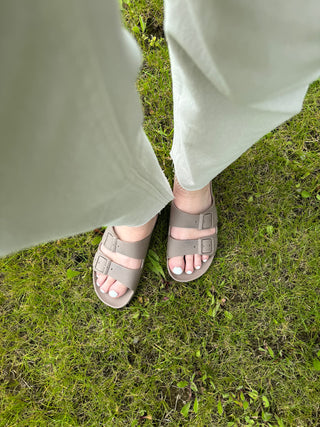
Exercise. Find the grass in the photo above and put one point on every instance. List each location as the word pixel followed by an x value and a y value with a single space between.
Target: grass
pixel 238 347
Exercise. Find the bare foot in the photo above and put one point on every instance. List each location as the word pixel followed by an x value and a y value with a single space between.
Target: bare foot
pixel 192 202
pixel 107 284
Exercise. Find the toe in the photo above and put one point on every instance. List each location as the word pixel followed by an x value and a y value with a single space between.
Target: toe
pixel 176 265
pixel 205 258
pixel 117 290
pixel 100 279
pixel 197 262
pixel 189 264
pixel 107 284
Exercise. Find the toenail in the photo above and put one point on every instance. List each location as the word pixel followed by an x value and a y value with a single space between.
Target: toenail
pixel 113 294
pixel 197 267
pixel 189 272
pixel 103 291
pixel 205 260
pixel 177 270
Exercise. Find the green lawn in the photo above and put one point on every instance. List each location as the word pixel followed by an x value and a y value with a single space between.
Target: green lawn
pixel 238 347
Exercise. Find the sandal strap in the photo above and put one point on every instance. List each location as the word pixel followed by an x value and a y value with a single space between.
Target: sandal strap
pixel 135 250
pixel 203 221
pixel 202 246
pixel 128 276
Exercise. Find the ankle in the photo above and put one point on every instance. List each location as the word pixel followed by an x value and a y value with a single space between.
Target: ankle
pixel 134 234
pixel 192 201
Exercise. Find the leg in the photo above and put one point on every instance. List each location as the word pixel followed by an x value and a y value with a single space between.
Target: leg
pixel 73 153
pixel 239 70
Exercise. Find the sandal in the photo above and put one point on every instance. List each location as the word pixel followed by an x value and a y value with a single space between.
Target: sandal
pixel 204 245
pixel 129 277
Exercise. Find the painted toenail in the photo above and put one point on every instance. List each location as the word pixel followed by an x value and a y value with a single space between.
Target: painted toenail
pixel 189 272
pixel 205 260
pixel 177 270
pixel 197 267
pixel 103 291
pixel 113 294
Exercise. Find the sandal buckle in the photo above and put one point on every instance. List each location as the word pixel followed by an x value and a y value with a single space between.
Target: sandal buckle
pixel 110 242
pixel 206 246
pixel 102 265
pixel 206 221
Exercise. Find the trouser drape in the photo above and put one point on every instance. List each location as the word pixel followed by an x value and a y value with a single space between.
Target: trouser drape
pixel 73 154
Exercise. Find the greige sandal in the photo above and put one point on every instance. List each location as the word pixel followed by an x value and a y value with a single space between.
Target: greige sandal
pixel 202 246
pixel 129 277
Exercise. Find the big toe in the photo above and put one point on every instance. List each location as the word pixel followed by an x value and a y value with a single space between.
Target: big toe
pixel 177 265
pixel 117 290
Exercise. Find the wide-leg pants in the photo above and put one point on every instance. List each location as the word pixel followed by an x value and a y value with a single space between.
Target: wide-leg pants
pixel 73 154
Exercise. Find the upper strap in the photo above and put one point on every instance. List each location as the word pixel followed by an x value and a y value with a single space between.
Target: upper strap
pixel 129 277
pixel 202 221
pixel 202 246
pixel 135 250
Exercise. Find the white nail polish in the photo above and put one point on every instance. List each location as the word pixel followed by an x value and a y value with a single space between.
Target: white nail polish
pixel 197 267
pixel 113 294
pixel 102 291
pixel 177 270
pixel 205 260
pixel 189 272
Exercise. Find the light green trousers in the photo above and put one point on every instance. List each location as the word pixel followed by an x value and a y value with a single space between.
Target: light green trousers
pixel 73 154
